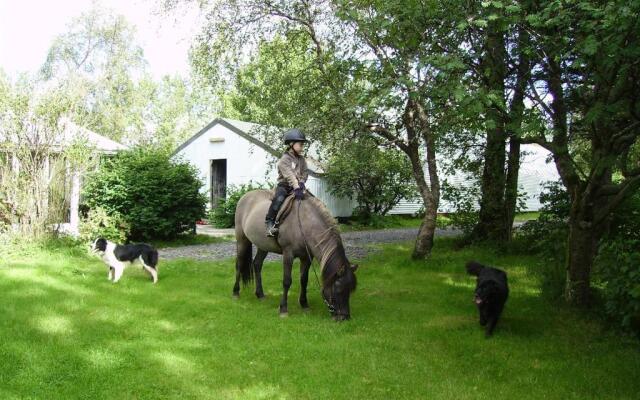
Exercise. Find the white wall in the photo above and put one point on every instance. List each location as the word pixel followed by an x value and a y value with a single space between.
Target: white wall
pixel 534 172
pixel 245 161
pixel 339 207
pixel 248 162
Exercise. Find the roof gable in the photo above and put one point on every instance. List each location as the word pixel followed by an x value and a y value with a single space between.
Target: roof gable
pixel 241 128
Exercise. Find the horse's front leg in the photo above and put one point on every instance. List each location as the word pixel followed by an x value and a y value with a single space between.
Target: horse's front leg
pixel 287 264
pixel 305 263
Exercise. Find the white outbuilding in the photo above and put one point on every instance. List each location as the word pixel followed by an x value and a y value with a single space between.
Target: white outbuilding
pixel 227 153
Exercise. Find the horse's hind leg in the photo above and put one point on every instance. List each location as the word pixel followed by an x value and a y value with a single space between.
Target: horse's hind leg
pixel 305 263
pixel 257 271
pixel 243 264
pixel 287 264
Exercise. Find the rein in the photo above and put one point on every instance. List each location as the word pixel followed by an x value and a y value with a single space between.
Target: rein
pixel 304 240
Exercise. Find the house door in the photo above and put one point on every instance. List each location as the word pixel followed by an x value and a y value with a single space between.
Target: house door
pixel 218 181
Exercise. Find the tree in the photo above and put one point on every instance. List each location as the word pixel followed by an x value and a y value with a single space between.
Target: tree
pixel 496 57
pixel 35 155
pixel 585 90
pixel 99 62
pixel 178 107
pixel 97 58
pixel 382 70
pixel 377 178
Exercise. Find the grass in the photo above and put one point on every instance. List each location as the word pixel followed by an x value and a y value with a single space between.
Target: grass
pixel 527 216
pixel 406 221
pixel 189 239
pixel 67 333
pixel 378 222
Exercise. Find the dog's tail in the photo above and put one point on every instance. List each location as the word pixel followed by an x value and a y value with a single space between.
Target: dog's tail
pixel 474 268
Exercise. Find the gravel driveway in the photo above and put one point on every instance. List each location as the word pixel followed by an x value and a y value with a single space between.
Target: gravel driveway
pixel 357 245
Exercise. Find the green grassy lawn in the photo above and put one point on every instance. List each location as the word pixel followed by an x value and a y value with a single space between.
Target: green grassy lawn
pixel 405 221
pixel 386 222
pixel 67 333
pixel 526 216
pixel 188 240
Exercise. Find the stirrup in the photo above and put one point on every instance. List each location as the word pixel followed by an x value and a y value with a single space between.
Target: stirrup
pixel 272 231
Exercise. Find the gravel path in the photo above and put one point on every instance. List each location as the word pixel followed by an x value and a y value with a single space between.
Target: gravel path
pixel 357 245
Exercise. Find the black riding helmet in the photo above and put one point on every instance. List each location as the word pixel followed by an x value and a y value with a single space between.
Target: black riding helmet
pixel 294 135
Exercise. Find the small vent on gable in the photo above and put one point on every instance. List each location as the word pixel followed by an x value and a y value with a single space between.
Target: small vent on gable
pixel 216 139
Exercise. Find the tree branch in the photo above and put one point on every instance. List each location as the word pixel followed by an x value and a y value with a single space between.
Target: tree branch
pixel 624 189
pixel 387 134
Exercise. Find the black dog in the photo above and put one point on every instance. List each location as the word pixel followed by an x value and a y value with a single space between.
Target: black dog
pixel 118 256
pixel 491 293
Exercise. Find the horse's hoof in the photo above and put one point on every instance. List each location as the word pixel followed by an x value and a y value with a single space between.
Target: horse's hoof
pixel 306 309
pixel 235 296
pixel 261 298
pixel 284 314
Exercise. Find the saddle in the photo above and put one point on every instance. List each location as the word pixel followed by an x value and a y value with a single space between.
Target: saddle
pixel 285 209
pixel 287 206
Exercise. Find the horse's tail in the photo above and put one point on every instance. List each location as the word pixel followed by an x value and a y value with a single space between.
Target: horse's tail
pixel 243 260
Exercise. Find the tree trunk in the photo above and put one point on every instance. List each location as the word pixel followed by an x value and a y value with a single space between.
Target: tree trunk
pixel 585 231
pixel 581 249
pixel 424 241
pixel 492 217
pixel 511 189
pixel 417 124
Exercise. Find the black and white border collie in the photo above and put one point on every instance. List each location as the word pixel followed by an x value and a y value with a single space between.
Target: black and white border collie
pixel 117 256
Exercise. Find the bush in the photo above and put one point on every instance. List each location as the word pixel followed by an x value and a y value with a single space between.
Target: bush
pixel 547 236
pixel 99 224
pixel 156 197
pixel 465 204
pixel 617 266
pixel 224 214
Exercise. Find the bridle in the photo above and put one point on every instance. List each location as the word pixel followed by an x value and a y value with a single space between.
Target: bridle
pixel 328 302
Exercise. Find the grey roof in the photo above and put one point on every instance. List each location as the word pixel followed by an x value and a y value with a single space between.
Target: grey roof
pixel 242 129
pixel 71 132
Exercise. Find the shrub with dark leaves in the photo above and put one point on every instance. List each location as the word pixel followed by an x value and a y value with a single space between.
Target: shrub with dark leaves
pixel 157 197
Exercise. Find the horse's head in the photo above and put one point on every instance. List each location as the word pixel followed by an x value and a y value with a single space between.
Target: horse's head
pixel 337 292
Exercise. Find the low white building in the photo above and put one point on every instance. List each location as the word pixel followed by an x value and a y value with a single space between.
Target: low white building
pixel 56 171
pixel 536 169
pixel 226 153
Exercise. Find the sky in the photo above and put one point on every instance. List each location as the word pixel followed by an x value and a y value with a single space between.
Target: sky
pixel 28 27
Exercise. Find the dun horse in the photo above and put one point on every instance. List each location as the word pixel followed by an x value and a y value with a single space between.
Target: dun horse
pixel 308 232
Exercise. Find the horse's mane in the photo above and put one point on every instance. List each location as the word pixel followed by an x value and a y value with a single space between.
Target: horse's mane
pixel 325 214
pixel 333 254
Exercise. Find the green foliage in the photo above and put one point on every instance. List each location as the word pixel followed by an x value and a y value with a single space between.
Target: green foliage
pixel 33 124
pixel 547 237
pixel 100 65
pixel 224 213
pixel 617 266
pixel 100 224
pixel 465 204
pixel 155 196
pixel 377 178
